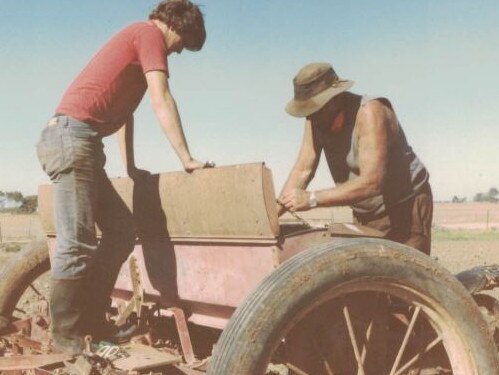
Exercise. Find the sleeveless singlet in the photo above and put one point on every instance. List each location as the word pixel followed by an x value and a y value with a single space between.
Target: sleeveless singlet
pixel 405 175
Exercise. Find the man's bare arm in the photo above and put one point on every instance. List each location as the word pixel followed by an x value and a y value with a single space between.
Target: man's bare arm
pixel 166 111
pixel 305 166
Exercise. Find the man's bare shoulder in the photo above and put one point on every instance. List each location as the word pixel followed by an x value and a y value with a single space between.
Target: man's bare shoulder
pixel 380 108
pixel 377 113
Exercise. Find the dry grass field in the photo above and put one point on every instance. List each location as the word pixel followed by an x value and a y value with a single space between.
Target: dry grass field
pixel 466 234
pixel 473 216
pixel 19 228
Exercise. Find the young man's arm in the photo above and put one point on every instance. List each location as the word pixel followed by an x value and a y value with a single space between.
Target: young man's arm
pixel 304 169
pixel 375 124
pixel 166 111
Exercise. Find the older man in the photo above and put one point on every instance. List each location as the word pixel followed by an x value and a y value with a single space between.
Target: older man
pixel 375 170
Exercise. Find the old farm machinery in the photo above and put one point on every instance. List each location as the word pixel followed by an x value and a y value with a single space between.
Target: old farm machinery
pixel 216 285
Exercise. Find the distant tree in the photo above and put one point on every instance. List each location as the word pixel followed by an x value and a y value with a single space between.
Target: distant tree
pixel 15 202
pixel 490 196
pixel 16 196
pixel 456 199
pixel 493 193
pixel 10 199
pixel 30 204
pixel 478 197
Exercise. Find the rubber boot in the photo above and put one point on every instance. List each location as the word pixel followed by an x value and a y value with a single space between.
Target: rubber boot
pixel 66 310
pixel 99 303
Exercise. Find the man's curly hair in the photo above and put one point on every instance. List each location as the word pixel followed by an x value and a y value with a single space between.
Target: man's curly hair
pixel 185 19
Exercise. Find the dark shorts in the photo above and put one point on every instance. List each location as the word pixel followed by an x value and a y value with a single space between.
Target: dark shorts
pixel 408 223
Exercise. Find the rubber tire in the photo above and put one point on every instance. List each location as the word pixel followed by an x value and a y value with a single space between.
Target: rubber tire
pixel 18 273
pixel 257 325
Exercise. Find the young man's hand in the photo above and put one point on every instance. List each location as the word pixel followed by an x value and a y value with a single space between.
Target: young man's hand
pixel 194 164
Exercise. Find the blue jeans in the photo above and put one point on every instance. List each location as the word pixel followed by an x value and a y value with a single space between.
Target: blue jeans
pixel 71 153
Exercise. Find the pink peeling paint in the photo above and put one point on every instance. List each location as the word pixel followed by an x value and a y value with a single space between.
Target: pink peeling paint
pixel 211 279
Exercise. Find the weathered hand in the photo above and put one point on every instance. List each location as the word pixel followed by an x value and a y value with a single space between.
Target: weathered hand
pixel 135 173
pixel 280 208
pixel 296 200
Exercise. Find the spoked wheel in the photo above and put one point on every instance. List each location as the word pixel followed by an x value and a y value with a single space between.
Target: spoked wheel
pixel 364 307
pixel 24 283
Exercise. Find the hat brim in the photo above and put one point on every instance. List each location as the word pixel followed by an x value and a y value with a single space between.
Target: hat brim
pixel 304 108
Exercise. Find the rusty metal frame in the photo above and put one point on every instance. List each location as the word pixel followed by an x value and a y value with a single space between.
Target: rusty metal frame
pixel 183 333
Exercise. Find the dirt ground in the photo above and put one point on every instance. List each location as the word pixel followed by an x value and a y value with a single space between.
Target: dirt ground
pixel 15 227
pixel 472 215
pixel 459 255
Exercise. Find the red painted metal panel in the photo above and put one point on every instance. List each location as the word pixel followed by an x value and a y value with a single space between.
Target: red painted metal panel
pixel 206 277
pixel 211 279
pixel 221 275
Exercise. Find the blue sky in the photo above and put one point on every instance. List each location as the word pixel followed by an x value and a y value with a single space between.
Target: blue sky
pixel 435 60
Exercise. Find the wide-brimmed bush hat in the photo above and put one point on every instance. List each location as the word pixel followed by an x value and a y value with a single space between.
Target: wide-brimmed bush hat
pixel 315 85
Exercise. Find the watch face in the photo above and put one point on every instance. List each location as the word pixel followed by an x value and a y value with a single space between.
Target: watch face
pixel 312 200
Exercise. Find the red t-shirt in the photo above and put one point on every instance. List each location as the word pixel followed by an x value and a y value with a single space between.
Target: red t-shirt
pixel 112 85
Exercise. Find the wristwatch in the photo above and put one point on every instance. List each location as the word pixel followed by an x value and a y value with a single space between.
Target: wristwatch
pixel 312 200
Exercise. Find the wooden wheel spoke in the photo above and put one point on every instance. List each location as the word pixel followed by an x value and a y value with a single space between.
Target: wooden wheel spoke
pixel 414 359
pixel 364 347
pixel 328 368
pixel 351 333
pixel 406 339
pixel 296 369
pixel 325 362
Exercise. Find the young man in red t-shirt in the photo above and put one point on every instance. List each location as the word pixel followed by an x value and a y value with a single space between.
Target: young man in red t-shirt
pixel 99 102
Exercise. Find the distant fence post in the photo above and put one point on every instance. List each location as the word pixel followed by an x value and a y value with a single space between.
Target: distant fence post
pixel 487 224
